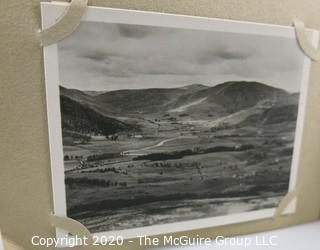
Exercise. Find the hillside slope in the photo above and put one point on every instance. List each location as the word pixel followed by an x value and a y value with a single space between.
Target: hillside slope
pixel 81 119
pixel 230 102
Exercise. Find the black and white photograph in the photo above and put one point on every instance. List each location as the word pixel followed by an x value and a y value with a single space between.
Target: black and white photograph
pixel 161 125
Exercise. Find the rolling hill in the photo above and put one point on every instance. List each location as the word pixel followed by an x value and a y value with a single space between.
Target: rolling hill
pixel 230 97
pixel 78 119
pixel 230 103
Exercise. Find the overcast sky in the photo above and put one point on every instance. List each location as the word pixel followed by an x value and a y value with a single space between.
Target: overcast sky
pixel 102 56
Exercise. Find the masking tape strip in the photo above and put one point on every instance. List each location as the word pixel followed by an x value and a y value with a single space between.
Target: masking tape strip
pixel 1 241
pixel 66 24
pixel 314 54
pixel 72 226
pixel 9 244
pixel 285 202
pixel 303 41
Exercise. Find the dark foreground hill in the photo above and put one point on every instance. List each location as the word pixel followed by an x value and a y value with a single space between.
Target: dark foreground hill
pixel 79 119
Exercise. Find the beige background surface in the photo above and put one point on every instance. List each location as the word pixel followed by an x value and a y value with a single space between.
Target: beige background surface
pixel 25 181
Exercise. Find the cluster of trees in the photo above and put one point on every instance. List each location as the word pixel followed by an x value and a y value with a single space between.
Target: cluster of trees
pixel 195 151
pixel 72 157
pixel 98 157
pixel 93 182
pixel 171 165
pixel 106 170
pixel 91 158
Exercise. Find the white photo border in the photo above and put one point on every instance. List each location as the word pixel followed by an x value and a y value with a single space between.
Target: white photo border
pixel 51 11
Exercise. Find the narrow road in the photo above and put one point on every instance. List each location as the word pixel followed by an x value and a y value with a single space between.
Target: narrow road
pixel 135 151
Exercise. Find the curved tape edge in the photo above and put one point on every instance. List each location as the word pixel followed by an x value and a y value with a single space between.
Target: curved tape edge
pixel 72 226
pixel 303 41
pixel 66 24
pixel 10 244
pixel 285 202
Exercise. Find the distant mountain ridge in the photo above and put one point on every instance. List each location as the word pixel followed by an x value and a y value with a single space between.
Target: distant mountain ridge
pixel 229 97
pixel 195 101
